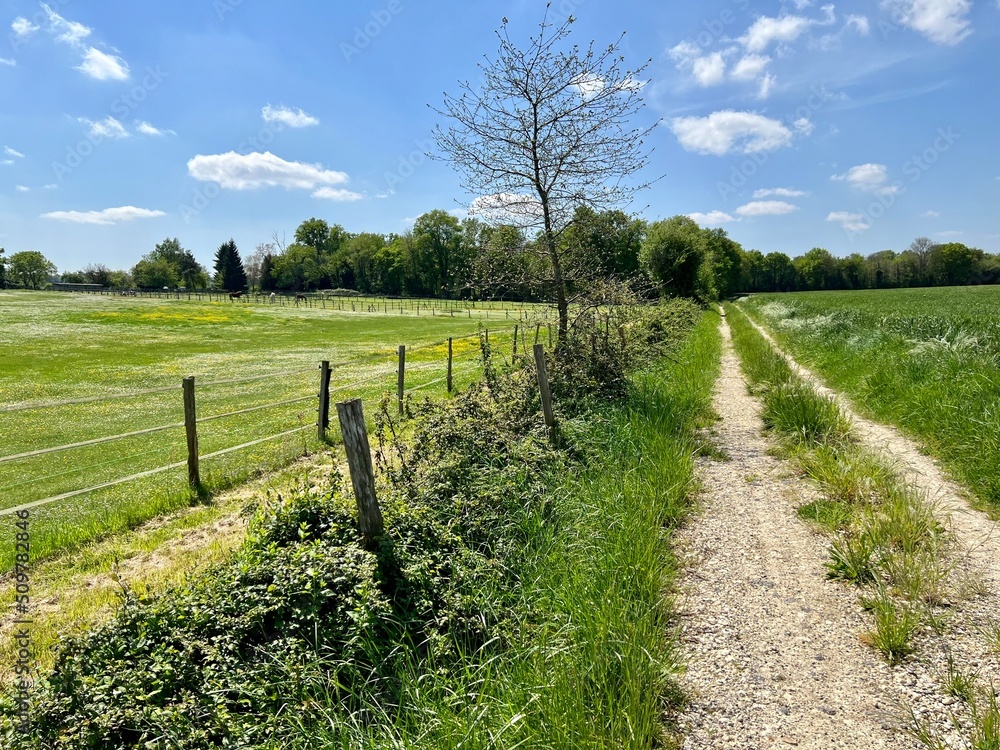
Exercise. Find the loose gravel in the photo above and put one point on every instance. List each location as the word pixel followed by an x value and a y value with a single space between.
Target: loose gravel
pixel 772 648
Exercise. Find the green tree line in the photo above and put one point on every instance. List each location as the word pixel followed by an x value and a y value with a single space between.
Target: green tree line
pixel 448 257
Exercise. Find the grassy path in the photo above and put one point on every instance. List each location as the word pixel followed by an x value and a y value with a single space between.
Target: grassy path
pixel 772 653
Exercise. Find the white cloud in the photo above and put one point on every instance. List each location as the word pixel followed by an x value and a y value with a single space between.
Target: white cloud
pixel 766 208
pixel 293 118
pixel 6 162
pixel 723 132
pixel 8 61
pixel 749 67
pixel 506 208
pixel 767 30
pixel 780 193
pixel 710 70
pixel 868 178
pixel 23 189
pixel 850 222
pixel 146 129
pixel 23 28
pixel 941 21
pixel 950 233
pixel 711 219
pixel 589 86
pixel 256 170
pixel 11 152
pixel 931 214
pixel 103 66
pixel 859 23
pixel 337 194
pixel 766 86
pixel 109 127
pixel 118 215
pixel 50 186
pixel 69 32
pixel 804 126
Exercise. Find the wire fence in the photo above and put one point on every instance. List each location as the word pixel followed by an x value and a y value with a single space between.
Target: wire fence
pixel 189 427
pixel 357 303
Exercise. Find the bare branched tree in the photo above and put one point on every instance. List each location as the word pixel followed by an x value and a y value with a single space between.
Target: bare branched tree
pixel 548 129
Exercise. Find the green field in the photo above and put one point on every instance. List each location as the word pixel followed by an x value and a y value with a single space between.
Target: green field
pixel 76 348
pixel 927 360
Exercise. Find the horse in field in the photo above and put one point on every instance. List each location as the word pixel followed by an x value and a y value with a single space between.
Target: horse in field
pixel 300 297
pixel 235 295
pixel 273 297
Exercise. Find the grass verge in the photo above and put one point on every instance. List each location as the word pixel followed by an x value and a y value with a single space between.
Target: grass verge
pixel 885 538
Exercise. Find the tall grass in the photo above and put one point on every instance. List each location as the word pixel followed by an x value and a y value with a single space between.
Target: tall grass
pixel 927 360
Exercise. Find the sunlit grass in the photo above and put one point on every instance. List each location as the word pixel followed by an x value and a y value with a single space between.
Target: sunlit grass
pixel 927 360
pixel 60 347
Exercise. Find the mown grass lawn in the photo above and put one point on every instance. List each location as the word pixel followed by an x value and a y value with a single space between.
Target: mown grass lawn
pixel 66 347
pixel 927 360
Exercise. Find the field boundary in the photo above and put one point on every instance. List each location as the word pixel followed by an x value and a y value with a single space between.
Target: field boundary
pixel 192 420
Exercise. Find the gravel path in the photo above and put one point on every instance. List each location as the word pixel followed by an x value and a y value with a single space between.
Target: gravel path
pixel 773 656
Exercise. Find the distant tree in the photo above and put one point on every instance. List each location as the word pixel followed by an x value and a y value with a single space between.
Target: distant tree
pixel 726 258
pixel 253 264
pixel 951 264
pixel 602 244
pixel 921 247
pixel 780 273
pixel 500 263
pixel 882 269
pixel 298 268
pixel 818 269
pixel 674 255
pixel 155 273
pixel 73 277
pixel 229 272
pixel 546 129
pixel 440 252
pixel 30 269
pixel 314 233
pixel 268 282
pixel 3 269
pixel 187 270
pixel 853 271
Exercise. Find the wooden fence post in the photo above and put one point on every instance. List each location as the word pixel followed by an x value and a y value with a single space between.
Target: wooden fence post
pixel 359 461
pixel 543 390
pixel 449 365
pixel 513 355
pixel 324 400
pixel 191 427
pixel 401 386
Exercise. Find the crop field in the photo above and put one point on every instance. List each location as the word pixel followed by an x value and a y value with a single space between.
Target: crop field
pixel 926 360
pixel 80 368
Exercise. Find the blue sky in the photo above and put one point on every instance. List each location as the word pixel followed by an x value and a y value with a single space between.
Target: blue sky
pixel 854 126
